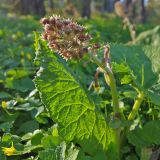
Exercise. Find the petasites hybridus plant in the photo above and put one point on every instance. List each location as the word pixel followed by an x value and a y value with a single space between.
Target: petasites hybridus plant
pixel 78 114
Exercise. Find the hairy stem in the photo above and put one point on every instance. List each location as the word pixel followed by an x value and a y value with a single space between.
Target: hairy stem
pixel 114 92
pixel 136 106
pixel 109 75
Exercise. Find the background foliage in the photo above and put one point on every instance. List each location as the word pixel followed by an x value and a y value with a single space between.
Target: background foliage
pixel 26 122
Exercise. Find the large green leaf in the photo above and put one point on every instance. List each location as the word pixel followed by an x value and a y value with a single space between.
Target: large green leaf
pixel 153 53
pixel 147 136
pixel 61 152
pixel 69 103
pixel 48 154
pixel 143 66
pixel 23 85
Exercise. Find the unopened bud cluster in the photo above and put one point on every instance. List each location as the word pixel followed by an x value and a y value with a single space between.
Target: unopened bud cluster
pixel 65 37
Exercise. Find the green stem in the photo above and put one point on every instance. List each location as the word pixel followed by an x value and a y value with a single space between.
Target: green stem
pixel 114 92
pixel 116 110
pixel 112 83
pixel 136 106
pixel 146 153
pixel 132 115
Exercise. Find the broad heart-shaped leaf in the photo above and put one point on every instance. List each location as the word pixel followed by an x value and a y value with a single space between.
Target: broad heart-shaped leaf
pixel 68 103
pixel 143 63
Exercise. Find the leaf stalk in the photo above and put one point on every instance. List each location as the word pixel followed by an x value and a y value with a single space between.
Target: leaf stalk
pixel 136 106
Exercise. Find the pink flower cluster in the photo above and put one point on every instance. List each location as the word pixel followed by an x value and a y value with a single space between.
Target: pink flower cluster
pixel 65 37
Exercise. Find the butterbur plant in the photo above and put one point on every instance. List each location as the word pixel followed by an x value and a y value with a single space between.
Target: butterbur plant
pixel 97 130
